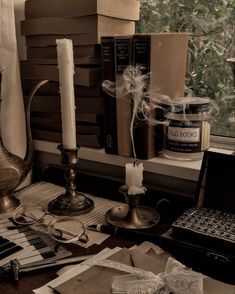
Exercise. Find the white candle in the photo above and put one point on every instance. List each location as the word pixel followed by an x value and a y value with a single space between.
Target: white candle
pixel 66 72
pixel 134 178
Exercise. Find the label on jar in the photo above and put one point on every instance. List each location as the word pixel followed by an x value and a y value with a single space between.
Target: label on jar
pixel 183 136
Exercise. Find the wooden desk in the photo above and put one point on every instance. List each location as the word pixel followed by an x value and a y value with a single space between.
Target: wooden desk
pixel 105 188
pixel 34 280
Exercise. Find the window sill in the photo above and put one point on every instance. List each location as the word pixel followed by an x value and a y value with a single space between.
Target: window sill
pixel 188 170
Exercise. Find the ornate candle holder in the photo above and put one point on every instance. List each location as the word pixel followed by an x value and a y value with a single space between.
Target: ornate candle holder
pixel 131 215
pixel 71 202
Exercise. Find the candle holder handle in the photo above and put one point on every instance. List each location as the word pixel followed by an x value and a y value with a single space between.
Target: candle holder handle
pixel 131 215
pixel 72 202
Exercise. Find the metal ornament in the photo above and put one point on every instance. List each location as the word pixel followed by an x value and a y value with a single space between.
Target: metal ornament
pixel 13 169
pixel 15 269
pixel 72 202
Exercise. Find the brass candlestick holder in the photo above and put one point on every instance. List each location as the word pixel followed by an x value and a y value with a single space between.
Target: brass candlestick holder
pixel 131 215
pixel 72 202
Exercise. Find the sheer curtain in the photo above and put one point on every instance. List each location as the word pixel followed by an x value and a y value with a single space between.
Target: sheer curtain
pixel 12 114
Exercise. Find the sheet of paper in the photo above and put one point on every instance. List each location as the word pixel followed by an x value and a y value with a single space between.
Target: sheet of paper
pixel 71 272
pixel 43 192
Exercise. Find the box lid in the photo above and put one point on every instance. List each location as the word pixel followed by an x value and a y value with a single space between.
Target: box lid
pixel 216 184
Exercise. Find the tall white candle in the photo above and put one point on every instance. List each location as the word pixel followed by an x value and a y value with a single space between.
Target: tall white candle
pixel 134 178
pixel 66 72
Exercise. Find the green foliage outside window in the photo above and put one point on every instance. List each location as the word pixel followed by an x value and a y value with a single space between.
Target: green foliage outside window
pixel 211 28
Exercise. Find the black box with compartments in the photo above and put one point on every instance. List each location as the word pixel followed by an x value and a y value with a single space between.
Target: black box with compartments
pixel 203 237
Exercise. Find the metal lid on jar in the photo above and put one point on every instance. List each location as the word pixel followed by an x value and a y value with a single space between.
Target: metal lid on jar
pixel 188 105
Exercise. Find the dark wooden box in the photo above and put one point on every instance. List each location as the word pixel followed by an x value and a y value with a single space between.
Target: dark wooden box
pixel 203 237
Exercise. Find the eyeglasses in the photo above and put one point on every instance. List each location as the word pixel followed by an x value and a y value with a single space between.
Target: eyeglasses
pixel 64 229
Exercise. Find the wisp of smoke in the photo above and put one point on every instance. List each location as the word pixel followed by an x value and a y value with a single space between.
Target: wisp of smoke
pixel 143 108
pixel 137 84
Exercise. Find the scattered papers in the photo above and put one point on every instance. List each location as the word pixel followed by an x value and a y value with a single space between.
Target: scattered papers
pixel 73 271
pixel 141 269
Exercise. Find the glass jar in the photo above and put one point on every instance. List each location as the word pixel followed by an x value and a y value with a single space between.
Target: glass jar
pixel 187 128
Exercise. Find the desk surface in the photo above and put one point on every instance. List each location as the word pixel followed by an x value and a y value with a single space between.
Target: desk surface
pixel 35 280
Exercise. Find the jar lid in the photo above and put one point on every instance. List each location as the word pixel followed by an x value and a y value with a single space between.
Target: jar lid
pixel 187 105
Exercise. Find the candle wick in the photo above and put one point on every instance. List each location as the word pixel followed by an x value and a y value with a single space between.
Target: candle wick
pixel 136 162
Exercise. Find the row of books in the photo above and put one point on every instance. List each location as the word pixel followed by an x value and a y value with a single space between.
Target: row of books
pixel 163 56
pixel 84 22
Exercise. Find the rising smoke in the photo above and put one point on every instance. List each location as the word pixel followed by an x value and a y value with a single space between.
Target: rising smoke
pixel 144 108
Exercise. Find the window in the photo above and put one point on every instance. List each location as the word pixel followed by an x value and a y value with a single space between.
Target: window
pixel 211 62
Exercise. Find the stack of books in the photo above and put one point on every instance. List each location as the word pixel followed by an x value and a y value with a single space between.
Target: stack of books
pixel 84 22
pixel 161 55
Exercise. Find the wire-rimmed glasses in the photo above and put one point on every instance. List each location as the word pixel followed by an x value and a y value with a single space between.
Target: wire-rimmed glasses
pixel 63 229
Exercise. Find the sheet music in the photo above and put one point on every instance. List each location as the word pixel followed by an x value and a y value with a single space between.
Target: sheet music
pixel 43 192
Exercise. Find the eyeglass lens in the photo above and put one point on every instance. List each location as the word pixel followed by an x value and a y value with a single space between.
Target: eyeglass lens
pixel 28 214
pixel 62 229
pixel 67 229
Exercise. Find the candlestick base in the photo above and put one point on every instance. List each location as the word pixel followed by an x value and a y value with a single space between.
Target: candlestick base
pixel 64 205
pixel 72 202
pixel 131 215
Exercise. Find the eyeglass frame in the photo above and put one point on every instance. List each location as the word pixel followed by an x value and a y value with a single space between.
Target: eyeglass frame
pixel 83 237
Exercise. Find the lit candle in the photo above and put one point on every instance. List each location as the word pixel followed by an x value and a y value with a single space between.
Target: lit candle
pixel 66 72
pixel 134 178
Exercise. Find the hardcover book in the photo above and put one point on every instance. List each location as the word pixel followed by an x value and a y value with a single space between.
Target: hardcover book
pixel 53 104
pixel 87 60
pixel 164 56
pixel 54 124
pixel 50 40
pixel 75 25
pixel 83 76
pixel 123 99
pixel 50 52
pixel 52 89
pixel 77 39
pixel 92 141
pixel 83 117
pixel 120 8
pixel 108 73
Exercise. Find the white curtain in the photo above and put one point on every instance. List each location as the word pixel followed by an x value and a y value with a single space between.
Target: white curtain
pixel 12 116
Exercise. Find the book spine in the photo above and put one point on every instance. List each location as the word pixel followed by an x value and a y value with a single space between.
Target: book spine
pixel 143 132
pixel 108 73
pixel 52 89
pixel 53 104
pixel 87 77
pixel 123 98
pixel 92 141
pixel 49 52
